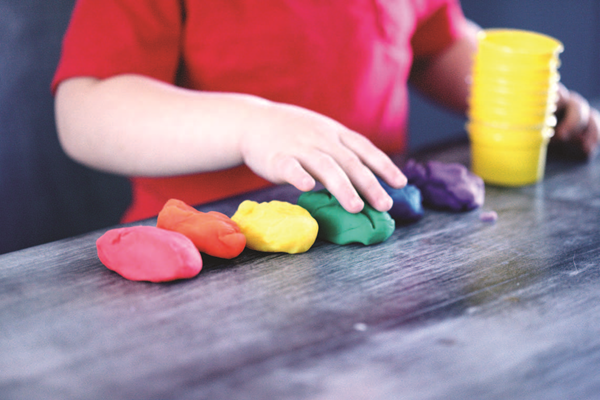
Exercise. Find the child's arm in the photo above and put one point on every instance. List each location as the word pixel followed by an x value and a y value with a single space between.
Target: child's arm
pixel 445 77
pixel 138 126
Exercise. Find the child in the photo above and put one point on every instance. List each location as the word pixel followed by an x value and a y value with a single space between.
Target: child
pixel 201 100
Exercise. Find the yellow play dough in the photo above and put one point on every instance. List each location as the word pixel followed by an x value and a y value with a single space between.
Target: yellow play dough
pixel 276 226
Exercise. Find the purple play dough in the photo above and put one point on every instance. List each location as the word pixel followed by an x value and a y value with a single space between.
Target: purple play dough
pixel 446 186
pixel 488 216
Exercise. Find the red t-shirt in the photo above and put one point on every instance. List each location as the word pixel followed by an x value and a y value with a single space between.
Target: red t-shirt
pixel 347 59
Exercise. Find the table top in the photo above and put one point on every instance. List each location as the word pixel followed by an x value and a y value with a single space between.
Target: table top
pixel 449 307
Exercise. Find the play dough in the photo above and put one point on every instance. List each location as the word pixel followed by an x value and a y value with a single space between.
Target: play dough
pixel 212 233
pixel 407 206
pixel 488 216
pixel 148 253
pixel 338 226
pixel 446 186
pixel 276 226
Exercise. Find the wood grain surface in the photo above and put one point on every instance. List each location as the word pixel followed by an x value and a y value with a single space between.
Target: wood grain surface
pixel 448 308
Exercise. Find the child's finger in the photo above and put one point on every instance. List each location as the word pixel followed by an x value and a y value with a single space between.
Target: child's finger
pixel 363 179
pixel 592 133
pixel 576 114
pixel 375 159
pixel 292 172
pixel 327 170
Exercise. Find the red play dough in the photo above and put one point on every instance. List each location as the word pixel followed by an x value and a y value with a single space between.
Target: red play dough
pixel 213 233
pixel 147 253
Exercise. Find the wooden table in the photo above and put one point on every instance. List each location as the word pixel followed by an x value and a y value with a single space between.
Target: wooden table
pixel 448 308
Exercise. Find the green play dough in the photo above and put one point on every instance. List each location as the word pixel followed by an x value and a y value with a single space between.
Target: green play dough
pixel 338 226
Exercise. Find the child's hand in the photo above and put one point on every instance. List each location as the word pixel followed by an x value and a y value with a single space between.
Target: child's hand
pixel 578 124
pixel 297 146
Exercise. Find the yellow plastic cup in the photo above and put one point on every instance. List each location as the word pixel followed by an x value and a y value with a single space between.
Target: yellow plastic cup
pixel 502 117
pixel 499 99
pixel 518 47
pixel 523 107
pixel 497 94
pixel 550 122
pixel 533 79
pixel 508 157
pixel 511 104
pixel 481 62
pixel 517 117
pixel 508 133
pixel 517 109
pixel 508 166
pixel 515 86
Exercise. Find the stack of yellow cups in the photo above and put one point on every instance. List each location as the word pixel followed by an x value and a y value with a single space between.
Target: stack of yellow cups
pixel 513 98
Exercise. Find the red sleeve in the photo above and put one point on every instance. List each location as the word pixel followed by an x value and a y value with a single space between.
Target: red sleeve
pixel 110 37
pixel 439 28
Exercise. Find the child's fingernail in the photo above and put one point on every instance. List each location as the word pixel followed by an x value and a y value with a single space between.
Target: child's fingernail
pixel 383 204
pixel 403 180
pixel 387 203
pixel 356 205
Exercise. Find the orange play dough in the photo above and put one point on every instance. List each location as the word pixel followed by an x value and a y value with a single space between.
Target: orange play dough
pixel 212 233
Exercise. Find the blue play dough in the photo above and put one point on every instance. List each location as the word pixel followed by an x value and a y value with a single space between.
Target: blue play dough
pixel 408 206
